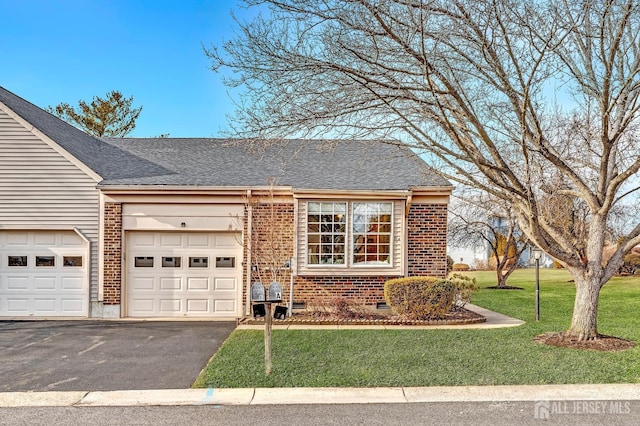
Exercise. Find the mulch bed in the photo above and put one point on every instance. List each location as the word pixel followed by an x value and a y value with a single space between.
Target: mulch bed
pixel 460 316
pixel 601 343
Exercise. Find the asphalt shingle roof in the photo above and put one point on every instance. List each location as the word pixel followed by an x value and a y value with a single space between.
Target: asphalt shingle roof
pixel 300 164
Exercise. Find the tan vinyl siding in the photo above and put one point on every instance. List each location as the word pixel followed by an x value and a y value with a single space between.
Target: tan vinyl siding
pixel 40 189
pixel 398 236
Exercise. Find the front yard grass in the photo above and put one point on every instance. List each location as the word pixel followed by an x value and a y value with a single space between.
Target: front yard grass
pixel 365 358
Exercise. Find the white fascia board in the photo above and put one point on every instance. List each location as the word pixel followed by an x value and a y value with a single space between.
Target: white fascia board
pixel 432 190
pixel 182 189
pixel 357 194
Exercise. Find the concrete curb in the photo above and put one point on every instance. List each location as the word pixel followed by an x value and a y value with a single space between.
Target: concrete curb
pixel 294 396
pixel 40 399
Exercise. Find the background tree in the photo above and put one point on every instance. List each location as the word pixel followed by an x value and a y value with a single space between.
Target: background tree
pixel 504 96
pixel 480 220
pixel 111 116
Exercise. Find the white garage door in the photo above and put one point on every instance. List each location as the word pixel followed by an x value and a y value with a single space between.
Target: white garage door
pixel 183 274
pixel 43 273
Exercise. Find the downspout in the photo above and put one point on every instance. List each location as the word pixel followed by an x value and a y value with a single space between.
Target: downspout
pixel 248 238
pixel 291 286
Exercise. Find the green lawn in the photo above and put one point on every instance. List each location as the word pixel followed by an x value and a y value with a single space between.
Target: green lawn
pixel 446 357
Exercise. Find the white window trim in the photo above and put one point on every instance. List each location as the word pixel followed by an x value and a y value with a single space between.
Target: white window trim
pixel 324 266
pixel 349 263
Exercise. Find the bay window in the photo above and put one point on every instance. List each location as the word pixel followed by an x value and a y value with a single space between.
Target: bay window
pixel 349 234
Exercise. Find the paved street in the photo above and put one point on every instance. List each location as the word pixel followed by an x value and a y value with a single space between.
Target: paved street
pixel 450 413
pixel 105 355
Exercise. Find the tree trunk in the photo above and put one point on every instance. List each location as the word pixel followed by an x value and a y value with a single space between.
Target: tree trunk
pixel 504 272
pixel 585 308
pixel 502 279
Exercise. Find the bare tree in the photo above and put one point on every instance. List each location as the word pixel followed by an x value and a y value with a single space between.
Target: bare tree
pixel 480 219
pixel 505 96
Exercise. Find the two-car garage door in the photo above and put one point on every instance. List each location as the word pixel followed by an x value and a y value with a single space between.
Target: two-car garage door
pixel 43 273
pixel 181 274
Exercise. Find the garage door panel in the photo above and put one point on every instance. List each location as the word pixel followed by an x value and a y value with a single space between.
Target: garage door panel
pixel 170 306
pixel 198 240
pixel 228 284
pixel 35 276
pixel 71 283
pixel 198 284
pixel 200 306
pixel 44 283
pixel 171 240
pixel 44 306
pixel 143 240
pixel 72 305
pixel 18 306
pixel 142 305
pixel 191 271
pixel 46 240
pixel 17 283
pixel 171 283
pixel 224 241
pixel 141 284
pixel 222 305
pixel 17 239
pixel 71 240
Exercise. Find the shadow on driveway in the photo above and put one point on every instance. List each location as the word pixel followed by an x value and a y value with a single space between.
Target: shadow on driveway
pixel 105 355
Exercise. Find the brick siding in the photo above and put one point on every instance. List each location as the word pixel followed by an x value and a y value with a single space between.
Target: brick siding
pixel 112 253
pixel 323 290
pixel 427 240
pixel 270 223
pixel 427 233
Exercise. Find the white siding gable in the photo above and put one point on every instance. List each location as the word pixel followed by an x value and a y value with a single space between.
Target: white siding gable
pixel 40 189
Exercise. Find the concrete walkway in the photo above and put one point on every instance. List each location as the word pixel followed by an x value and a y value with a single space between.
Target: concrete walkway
pixel 494 320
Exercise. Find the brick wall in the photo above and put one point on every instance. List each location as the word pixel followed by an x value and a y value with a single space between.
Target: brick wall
pixel 427 240
pixel 271 242
pixel 112 253
pixel 427 233
pixel 367 290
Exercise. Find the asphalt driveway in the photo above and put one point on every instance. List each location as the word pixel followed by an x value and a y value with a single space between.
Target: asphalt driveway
pixel 105 355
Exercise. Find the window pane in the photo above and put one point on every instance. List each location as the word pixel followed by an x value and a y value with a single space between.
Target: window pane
pixel 45 261
pixel 225 262
pixel 314 208
pixel 326 233
pixel 144 262
pixel 372 233
pixel 171 262
pixel 17 261
pixel 72 261
pixel 198 262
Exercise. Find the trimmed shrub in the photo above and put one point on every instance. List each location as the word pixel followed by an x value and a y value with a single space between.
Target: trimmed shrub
pixel 450 263
pixel 460 267
pixel 465 287
pixel 420 298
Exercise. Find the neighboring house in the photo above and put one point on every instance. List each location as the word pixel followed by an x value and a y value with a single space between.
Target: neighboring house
pixel 476 256
pixel 158 227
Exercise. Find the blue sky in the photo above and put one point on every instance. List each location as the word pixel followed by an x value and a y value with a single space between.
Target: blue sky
pixel 64 50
